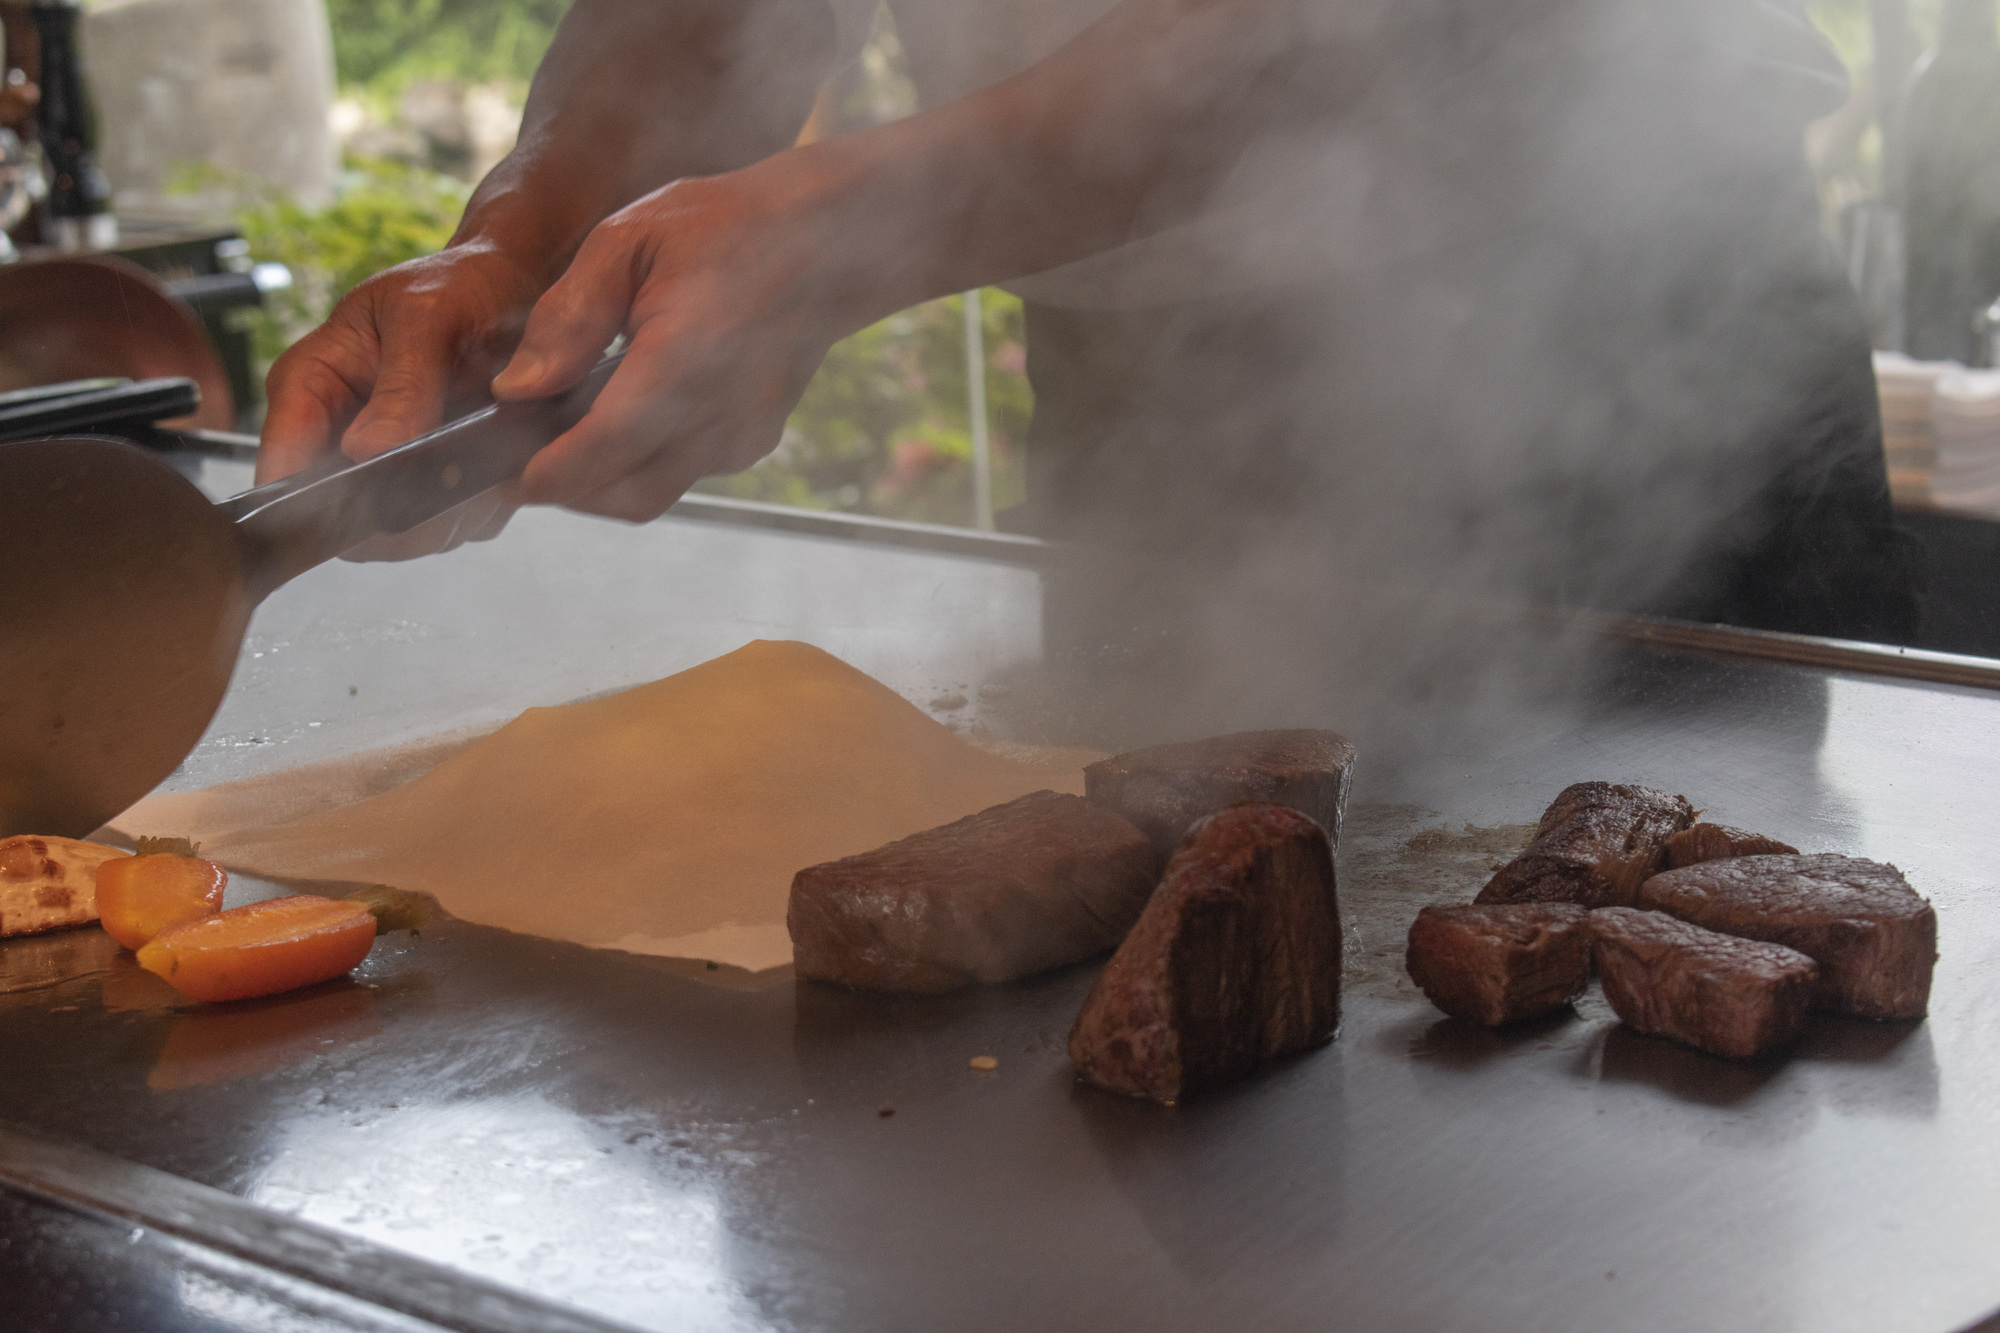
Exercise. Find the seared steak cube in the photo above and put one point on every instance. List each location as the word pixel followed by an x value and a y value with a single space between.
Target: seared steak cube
pixel 1235 961
pixel 1594 846
pixel 1874 938
pixel 1165 789
pixel 1715 992
pixel 1023 887
pixel 1717 842
pixel 1502 963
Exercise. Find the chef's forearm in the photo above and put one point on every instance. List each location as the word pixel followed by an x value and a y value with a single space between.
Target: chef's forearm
pixel 1120 132
pixel 636 93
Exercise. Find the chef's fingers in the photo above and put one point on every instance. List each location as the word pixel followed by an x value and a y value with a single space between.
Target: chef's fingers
pixel 501 506
pixel 412 380
pixel 647 407
pixel 476 520
pixel 644 495
pixel 579 316
pixel 724 445
pixel 314 391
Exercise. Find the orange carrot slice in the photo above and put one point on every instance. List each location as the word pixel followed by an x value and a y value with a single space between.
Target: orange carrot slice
pixel 140 896
pixel 261 949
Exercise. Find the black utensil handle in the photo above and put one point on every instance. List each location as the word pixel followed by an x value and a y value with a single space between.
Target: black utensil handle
pixel 141 403
pixel 291 525
pixel 36 393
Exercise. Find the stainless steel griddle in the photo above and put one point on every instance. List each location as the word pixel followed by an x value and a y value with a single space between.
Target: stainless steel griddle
pixel 490 1131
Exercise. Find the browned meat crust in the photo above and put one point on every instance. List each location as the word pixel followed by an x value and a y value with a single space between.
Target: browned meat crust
pixel 1873 937
pixel 1023 887
pixel 1716 842
pixel 1166 788
pixel 1503 963
pixel 1594 847
pixel 1235 961
pixel 1714 992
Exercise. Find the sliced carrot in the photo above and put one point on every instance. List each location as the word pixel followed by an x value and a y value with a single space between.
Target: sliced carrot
pixel 261 949
pixel 140 896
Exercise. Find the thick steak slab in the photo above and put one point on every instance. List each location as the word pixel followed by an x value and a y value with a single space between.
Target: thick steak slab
pixel 1874 938
pixel 1503 963
pixel 1023 887
pixel 1717 842
pixel 1594 847
pixel 1235 961
pixel 1165 789
pixel 1715 992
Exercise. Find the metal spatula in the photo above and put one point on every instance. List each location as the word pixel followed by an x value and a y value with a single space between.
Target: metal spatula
pixel 125 594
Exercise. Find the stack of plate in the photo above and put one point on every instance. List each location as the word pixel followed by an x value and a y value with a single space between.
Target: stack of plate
pixel 1905 388
pixel 1965 417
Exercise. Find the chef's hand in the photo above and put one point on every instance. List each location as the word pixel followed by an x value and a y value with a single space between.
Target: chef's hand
pixel 717 284
pixel 400 353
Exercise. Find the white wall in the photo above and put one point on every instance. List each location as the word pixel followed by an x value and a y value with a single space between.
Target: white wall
pixel 242 85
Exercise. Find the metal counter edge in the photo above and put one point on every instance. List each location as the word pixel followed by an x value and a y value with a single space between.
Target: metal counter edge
pixel 1874 659
pixel 105 1186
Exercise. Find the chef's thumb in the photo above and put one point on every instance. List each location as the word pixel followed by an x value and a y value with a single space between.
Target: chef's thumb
pixel 572 325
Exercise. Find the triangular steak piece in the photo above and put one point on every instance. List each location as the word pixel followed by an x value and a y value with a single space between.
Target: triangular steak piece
pixel 1874 937
pixel 1718 842
pixel 1501 963
pixel 1235 961
pixel 1714 992
pixel 1166 788
pixel 1595 845
pixel 1041 881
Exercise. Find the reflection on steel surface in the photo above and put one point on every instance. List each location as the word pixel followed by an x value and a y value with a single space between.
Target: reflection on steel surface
pixel 152 1200
pixel 519 1190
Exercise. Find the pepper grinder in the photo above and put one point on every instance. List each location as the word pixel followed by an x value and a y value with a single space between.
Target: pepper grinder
pixel 77 213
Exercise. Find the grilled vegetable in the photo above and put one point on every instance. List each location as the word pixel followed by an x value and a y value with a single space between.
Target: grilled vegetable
pixel 262 949
pixel 165 885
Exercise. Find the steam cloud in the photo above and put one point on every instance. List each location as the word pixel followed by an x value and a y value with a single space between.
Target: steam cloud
pixel 1504 305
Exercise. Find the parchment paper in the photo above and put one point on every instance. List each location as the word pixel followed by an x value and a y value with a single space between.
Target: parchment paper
pixel 667 819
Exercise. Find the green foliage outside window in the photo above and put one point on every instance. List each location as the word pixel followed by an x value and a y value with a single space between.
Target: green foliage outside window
pixel 884 428
pixel 383 44
pixel 382 214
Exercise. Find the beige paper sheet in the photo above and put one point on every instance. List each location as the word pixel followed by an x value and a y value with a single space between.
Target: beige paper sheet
pixel 667 819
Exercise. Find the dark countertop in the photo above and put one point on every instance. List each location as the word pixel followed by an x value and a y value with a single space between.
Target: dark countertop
pixel 645 1142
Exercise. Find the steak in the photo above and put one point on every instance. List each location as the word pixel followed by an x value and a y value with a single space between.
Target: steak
pixel 1714 992
pixel 1019 888
pixel 1165 789
pixel 1716 842
pixel 1503 963
pixel 1595 845
pixel 1873 937
pixel 1235 961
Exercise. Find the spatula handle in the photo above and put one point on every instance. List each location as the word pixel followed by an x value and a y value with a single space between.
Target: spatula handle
pixel 291 525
